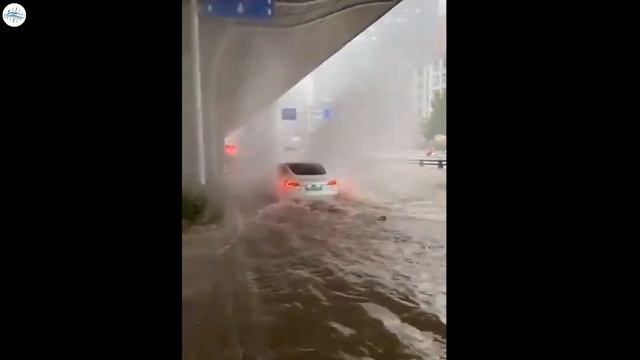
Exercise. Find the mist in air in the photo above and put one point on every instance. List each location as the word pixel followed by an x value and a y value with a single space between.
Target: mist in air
pixel 371 88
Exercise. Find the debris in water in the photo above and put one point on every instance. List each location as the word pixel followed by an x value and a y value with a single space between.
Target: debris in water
pixel 336 210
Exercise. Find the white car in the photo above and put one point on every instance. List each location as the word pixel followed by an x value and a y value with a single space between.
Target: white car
pixel 298 180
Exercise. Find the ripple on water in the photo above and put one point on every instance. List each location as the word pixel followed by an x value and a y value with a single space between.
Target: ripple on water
pixel 336 282
pixel 344 330
pixel 421 342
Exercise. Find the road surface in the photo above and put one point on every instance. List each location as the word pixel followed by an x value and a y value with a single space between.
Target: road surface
pixel 359 278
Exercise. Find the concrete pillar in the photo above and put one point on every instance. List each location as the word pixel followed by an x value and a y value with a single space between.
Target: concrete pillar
pixel 213 141
pixel 190 178
pixel 212 133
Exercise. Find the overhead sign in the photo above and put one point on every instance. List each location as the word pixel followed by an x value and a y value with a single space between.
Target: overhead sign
pixel 253 9
pixel 289 114
pixel 327 113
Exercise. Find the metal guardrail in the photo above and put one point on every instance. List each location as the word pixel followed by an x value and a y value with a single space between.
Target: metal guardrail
pixel 440 163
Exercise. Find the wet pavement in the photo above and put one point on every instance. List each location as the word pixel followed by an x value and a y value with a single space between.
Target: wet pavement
pixel 362 277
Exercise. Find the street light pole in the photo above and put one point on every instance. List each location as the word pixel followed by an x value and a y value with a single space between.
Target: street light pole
pixel 197 80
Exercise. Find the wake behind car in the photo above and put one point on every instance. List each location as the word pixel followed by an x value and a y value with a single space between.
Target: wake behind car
pixel 301 180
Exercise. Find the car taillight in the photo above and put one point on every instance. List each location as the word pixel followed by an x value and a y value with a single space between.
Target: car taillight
pixel 332 182
pixel 230 149
pixel 290 183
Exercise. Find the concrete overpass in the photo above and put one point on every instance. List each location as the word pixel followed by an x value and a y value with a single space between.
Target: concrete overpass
pixel 247 65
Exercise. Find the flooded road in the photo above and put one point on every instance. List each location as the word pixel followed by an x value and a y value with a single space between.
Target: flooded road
pixel 362 277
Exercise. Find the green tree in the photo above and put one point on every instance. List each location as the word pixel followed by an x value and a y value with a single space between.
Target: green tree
pixel 436 123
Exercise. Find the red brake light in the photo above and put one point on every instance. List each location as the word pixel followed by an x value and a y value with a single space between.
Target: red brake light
pixel 290 183
pixel 332 182
pixel 230 149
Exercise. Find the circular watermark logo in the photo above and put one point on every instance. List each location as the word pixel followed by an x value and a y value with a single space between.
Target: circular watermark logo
pixel 14 14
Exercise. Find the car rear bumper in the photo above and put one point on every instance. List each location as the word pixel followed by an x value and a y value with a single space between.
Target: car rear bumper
pixel 303 194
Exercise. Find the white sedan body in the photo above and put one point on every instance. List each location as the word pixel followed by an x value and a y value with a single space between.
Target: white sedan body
pixel 305 181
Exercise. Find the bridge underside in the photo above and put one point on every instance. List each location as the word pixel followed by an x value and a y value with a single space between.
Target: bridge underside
pixel 248 65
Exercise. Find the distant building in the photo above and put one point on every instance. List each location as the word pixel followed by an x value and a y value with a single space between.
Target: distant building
pixel 437 80
pixel 428 80
pixel 433 77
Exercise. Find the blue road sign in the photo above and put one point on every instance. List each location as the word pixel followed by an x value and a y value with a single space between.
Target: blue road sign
pixel 327 113
pixel 253 9
pixel 289 114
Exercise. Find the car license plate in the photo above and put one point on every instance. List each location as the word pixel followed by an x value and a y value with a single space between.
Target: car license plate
pixel 313 187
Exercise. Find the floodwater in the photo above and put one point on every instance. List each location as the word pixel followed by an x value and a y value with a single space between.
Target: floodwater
pixel 362 277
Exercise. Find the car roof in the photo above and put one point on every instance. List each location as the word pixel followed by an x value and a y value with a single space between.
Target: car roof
pixel 301 163
pixel 304 168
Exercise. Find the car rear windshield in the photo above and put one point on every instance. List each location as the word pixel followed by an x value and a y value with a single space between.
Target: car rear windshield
pixel 307 169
